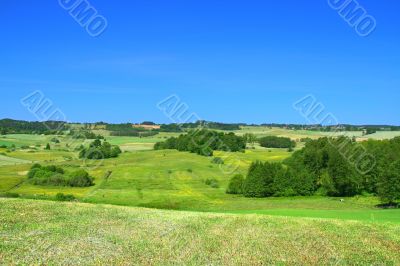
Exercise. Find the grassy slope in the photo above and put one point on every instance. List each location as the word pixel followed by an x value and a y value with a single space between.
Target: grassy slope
pixel 38 232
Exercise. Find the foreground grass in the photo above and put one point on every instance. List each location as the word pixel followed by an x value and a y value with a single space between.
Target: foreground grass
pixel 40 232
pixel 355 214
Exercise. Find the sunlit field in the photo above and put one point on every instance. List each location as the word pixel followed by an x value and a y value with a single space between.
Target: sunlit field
pixel 72 233
pixel 169 179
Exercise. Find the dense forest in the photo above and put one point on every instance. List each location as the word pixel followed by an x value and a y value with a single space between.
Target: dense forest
pixel 324 167
pixel 204 142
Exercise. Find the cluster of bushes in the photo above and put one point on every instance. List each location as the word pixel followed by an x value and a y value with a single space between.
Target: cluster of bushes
pixel 55 176
pixel 204 142
pixel 65 197
pixel 98 150
pixel 276 142
pixel 325 167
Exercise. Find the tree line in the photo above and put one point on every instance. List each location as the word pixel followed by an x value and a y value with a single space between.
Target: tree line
pixel 10 126
pixel 322 168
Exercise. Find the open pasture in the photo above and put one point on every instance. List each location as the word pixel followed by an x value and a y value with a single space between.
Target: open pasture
pixel 44 232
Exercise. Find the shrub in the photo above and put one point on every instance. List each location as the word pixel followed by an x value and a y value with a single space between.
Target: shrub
pixel 55 140
pixel 63 197
pixel 212 182
pixel 80 178
pixel 217 160
pixel 235 185
pixel 9 195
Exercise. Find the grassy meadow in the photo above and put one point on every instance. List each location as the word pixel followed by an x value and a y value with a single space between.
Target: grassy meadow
pixel 193 220
pixel 45 232
pixel 168 179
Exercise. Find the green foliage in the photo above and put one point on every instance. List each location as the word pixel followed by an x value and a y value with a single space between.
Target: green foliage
pixel 47 147
pixel 276 142
pixel 10 126
pixel 55 176
pixel 263 179
pixel 64 197
pixel 84 134
pixel 212 182
pixel 217 160
pixel 235 185
pixel 171 128
pixel 203 142
pixel 98 150
pixel 197 125
pixel 328 167
pixel 55 140
pixel 80 178
pixel 250 138
pixel 128 130
pixel 9 195
pixel 389 183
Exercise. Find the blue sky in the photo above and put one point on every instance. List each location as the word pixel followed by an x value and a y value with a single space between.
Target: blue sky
pixel 229 61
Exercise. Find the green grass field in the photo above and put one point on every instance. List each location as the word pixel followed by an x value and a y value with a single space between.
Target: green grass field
pixel 49 233
pixel 293 230
pixel 172 180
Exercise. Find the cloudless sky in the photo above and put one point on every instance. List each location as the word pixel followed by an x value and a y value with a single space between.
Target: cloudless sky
pixel 229 61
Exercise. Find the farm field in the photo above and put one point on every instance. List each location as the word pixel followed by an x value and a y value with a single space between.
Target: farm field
pixel 78 233
pixel 261 131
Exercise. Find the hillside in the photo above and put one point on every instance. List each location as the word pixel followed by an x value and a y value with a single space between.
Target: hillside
pixel 43 232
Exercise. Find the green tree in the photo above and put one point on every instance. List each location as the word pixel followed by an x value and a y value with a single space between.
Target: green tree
pixel 235 185
pixel 389 184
